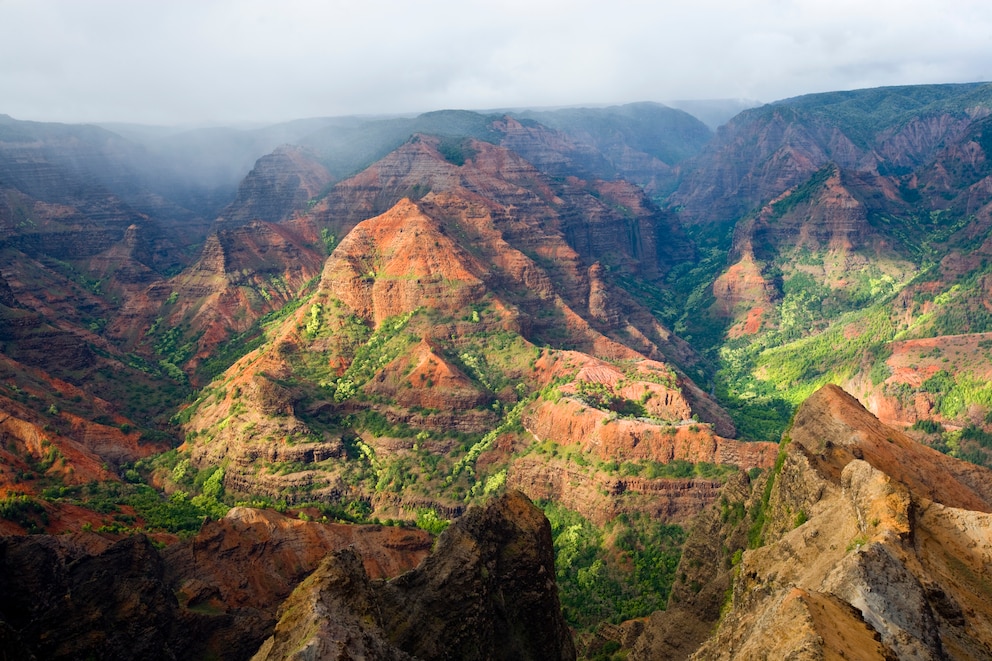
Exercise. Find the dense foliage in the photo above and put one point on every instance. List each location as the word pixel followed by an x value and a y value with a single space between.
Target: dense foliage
pixel 614 573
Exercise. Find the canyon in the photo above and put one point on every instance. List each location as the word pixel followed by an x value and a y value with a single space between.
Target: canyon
pixel 598 382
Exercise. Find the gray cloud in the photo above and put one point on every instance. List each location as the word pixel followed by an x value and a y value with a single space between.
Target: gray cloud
pixel 255 60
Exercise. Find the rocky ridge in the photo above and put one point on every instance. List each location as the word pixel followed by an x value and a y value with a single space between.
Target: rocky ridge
pixel 216 593
pixel 280 185
pixel 870 548
pixel 486 592
pixel 427 283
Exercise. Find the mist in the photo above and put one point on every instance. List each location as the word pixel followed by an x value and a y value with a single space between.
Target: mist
pixel 226 62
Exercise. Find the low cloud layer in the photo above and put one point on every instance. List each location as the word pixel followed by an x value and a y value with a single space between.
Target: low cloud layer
pixel 256 61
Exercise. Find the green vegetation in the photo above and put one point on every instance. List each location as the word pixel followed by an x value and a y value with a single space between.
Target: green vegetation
pixel 862 114
pixel 25 511
pixel 313 321
pixel 685 303
pixel 759 514
pixel 177 346
pixel 178 513
pixel 803 193
pixel 971 443
pixel 928 426
pixel 600 396
pixel 385 344
pixel 955 310
pixel 622 571
pixel 678 469
pixel 467 463
pixel 762 379
pixel 427 519
pixel 456 150
pixel 328 240
pixel 171 344
pixel 952 395
pixel 347 511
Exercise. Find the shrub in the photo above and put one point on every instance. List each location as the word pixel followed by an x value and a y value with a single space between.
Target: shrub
pixel 427 519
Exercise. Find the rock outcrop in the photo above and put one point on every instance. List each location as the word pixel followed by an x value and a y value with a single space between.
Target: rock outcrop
pixel 601 497
pixel 871 548
pixel 833 424
pixel 399 261
pixel 63 600
pixel 240 569
pixel 570 422
pixel 333 614
pixel 486 592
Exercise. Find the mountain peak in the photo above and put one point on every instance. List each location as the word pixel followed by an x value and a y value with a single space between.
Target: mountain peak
pixel 399 261
pixel 835 427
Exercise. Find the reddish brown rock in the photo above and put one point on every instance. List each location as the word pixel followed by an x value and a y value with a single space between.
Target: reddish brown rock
pixel 399 261
pixel 291 548
pixel 601 497
pixel 215 594
pixel 570 422
pixel 424 378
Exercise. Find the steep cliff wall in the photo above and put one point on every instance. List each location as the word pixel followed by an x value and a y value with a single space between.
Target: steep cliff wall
pixel 870 548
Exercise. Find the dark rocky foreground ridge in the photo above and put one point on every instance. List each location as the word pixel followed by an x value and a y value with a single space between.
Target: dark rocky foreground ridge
pixel 492 571
pixel 486 592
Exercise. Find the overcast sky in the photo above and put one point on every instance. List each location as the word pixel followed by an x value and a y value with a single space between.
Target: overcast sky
pixel 196 61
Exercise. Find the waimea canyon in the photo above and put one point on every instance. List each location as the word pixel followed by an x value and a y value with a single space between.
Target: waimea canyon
pixel 594 383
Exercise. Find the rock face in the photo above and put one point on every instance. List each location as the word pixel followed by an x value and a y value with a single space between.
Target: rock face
pixel 239 569
pixel 214 595
pixel 882 562
pixel 65 603
pixel 542 246
pixel 415 377
pixel 486 592
pixel 602 497
pixel 515 216
pixel 61 441
pixel 280 185
pixel 333 614
pixel 771 251
pixel 913 362
pixel 571 422
pixel 765 151
pixel 832 423
pixel 242 273
pixel 399 261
